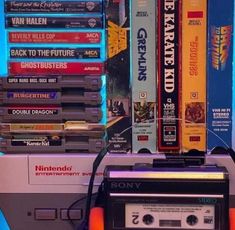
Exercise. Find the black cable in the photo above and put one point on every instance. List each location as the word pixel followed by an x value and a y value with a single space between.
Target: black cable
pixel 96 163
pixel 71 206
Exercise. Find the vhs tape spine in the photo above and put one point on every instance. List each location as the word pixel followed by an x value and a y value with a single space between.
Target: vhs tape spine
pixel 118 81
pixel 169 75
pixel 220 73
pixel 144 76
pixel 54 22
pixel 194 19
pixel 53 7
pixel 56 53
pixel 55 37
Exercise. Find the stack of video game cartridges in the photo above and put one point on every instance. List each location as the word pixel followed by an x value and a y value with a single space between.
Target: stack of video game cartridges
pixel 53 99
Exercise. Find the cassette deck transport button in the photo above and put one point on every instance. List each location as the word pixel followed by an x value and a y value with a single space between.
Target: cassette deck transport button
pixel 45 214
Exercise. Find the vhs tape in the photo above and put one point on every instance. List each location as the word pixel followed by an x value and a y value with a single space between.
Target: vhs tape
pixel 194 21
pixel 35 97
pixel 144 85
pixel 53 68
pixel 54 22
pixel 54 37
pixel 89 82
pixel 169 75
pixel 50 113
pixel 53 6
pixel 118 80
pixel 25 143
pixel 55 53
pixel 220 73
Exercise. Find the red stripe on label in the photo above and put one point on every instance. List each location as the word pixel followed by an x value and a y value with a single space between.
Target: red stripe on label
pixel 142 138
pixel 195 14
pixel 54 37
pixel 194 138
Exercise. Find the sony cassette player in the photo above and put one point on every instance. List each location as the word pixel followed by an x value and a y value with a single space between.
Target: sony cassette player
pixel 146 197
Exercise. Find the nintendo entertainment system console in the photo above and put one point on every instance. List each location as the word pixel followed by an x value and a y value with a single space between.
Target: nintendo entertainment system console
pixel 38 190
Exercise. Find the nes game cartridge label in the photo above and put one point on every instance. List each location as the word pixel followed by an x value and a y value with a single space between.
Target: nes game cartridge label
pixel 54 22
pixel 53 6
pixel 30 95
pixel 53 68
pixel 36 141
pixel 89 82
pixel 54 143
pixel 56 53
pixel 50 97
pixel 54 37
pixel 50 113
pixel 69 128
pixel 6 128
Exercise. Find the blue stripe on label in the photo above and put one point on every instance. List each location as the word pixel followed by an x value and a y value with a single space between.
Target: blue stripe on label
pixel 3 222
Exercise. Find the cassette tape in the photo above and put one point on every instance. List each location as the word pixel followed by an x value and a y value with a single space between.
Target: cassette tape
pixel 52 138
pixel 54 53
pixel 35 97
pixel 50 113
pixel 54 22
pixel 146 197
pixel 53 6
pixel 88 82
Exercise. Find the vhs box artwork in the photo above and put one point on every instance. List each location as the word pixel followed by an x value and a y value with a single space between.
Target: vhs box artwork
pixel 144 85
pixel 53 6
pixel 54 53
pixel 54 22
pixel 55 68
pixel 52 137
pixel 118 76
pixel 89 82
pixel 63 113
pixel 169 75
pixel 220 74
pixel 55 37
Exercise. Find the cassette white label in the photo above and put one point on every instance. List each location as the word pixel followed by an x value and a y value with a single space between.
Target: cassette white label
pixel 174 216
